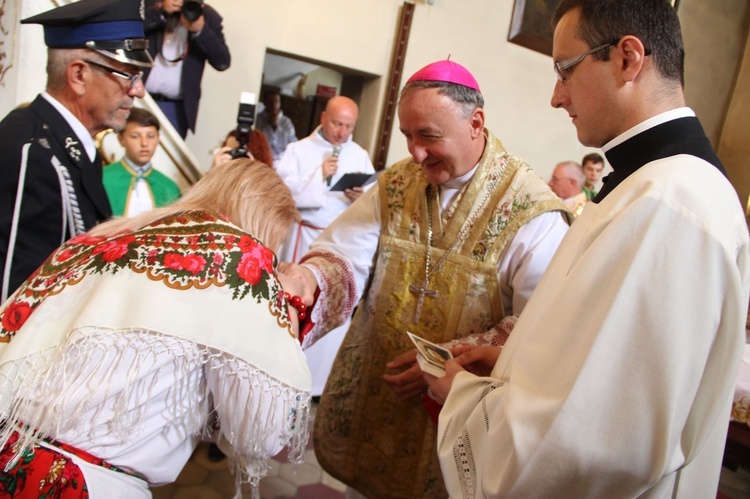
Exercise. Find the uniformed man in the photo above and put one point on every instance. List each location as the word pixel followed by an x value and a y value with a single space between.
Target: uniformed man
pixel 50 173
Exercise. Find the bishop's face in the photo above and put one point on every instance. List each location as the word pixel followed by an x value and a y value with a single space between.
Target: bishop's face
pixel 440 136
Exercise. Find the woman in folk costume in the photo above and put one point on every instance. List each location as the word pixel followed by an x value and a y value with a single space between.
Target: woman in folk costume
pixel 116 355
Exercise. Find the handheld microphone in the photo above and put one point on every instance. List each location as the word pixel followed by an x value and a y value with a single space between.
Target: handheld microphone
pixel 336 152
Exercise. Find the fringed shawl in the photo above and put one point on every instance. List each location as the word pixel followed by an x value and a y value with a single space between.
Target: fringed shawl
pixel 193 279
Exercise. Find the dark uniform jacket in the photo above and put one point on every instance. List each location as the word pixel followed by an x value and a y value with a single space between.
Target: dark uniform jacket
pixel 49 190
pixel 209 46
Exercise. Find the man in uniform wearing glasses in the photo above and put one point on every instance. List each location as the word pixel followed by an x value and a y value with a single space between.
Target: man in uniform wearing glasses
pixel 50 172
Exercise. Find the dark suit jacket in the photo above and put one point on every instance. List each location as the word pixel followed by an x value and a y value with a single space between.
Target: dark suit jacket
pixel 32 141
pixel 209 46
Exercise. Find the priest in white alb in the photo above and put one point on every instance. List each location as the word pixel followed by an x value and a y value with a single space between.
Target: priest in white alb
pixel 449 245
pixel 620 386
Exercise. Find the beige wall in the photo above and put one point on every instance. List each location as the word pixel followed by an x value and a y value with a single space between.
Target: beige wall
pixel 714 33
pixel 359 34
pixel 734 145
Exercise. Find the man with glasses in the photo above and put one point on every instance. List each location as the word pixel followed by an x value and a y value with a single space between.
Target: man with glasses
pixel 50 172
pixel 619 386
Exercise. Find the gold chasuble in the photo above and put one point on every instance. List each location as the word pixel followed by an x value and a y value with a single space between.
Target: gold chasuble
pixel 365 435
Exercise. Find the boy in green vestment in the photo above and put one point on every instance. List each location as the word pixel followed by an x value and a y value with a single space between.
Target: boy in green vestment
pixel 132 184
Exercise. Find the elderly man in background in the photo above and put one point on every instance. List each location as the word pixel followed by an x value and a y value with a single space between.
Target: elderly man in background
pixel 452 242
pixel 622 388
pixel 50 172
pixel 567 182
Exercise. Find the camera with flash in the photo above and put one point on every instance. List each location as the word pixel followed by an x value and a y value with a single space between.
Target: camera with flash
pixel 245 119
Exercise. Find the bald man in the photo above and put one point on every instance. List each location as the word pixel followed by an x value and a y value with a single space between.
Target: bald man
pixel 310 167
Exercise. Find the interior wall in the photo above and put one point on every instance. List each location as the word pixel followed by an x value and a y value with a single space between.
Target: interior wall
pixel 734 145
pixel 359 34
pixel 712 61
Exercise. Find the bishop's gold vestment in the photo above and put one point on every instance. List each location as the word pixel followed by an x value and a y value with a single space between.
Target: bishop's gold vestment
pixel 365 435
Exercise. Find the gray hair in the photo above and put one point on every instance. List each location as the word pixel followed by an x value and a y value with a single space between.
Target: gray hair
pixel 467 98
pixel 574 171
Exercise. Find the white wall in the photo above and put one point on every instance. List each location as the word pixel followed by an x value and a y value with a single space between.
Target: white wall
pixel 359 34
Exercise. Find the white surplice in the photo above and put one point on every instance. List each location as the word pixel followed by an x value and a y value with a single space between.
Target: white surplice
pixel 617 379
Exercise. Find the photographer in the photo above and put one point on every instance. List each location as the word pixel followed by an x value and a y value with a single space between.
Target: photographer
pixel 182 36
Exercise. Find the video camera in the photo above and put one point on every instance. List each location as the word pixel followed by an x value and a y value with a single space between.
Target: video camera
pixel 192 10
pixel 245 119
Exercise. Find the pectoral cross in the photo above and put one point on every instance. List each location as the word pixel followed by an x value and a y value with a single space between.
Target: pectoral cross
pixel 421 291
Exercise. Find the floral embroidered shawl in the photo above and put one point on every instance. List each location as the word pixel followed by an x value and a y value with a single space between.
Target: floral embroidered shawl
pixel 220 282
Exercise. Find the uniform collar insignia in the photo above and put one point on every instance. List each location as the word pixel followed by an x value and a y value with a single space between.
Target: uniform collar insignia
pixel 74 148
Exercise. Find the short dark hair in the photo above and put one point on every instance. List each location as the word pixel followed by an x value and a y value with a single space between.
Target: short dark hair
pixel 653 22
pixel 142 118
pixel 468 98
pixel 269 93
pixel 592 158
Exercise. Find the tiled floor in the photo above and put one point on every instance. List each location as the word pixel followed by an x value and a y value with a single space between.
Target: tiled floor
pixel 203 479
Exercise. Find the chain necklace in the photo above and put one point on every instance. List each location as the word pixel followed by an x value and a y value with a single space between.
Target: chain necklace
pixel 424 290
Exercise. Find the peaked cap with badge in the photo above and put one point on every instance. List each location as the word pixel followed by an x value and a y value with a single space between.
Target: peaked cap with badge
pixel 114 28
pixel 50 190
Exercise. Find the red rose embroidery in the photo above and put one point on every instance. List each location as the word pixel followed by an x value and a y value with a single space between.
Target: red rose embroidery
pixel 173 261
pixel 249 269
pixel 247 244
pixel 264 257
pixel 85 239
pixel 193 263
pixel 65 255
pixel 15 315
pixel 111 250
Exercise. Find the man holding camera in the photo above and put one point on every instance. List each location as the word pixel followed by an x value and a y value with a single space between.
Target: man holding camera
pixel 183 35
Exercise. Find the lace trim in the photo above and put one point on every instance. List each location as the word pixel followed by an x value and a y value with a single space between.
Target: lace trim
pixel 338 293
pixel 89 359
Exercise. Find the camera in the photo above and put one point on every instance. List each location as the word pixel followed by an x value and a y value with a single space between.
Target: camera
pixel 192 10
pixel 245 119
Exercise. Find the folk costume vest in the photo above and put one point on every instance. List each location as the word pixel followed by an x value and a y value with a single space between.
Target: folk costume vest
pixel 365 435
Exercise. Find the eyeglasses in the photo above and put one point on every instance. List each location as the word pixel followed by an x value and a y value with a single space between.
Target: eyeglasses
pixel 566 64
pixel 131 77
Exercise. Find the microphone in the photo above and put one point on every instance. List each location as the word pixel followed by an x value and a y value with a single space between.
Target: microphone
pixel 336 152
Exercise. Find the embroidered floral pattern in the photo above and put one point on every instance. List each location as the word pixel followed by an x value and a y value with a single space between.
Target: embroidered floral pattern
pixel 196 249
pixel 39 472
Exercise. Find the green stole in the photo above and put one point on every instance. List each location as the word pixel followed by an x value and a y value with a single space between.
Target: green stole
pixel 119 181
pixel 365 435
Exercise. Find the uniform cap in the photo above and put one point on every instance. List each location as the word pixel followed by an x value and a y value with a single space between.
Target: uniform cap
pixel 446 71
pixel 113 28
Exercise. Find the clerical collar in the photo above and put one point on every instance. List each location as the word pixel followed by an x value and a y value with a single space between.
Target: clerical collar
pixel 672 114
pixel 681 135
pixel 83 135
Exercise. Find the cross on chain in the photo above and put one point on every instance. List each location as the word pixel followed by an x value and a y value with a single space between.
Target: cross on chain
pixel 422 291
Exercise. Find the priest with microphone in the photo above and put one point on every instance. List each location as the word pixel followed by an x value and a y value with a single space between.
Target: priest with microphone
pixel 311 167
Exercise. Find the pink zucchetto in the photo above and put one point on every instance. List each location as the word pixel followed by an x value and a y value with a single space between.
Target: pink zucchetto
pixel 447 71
